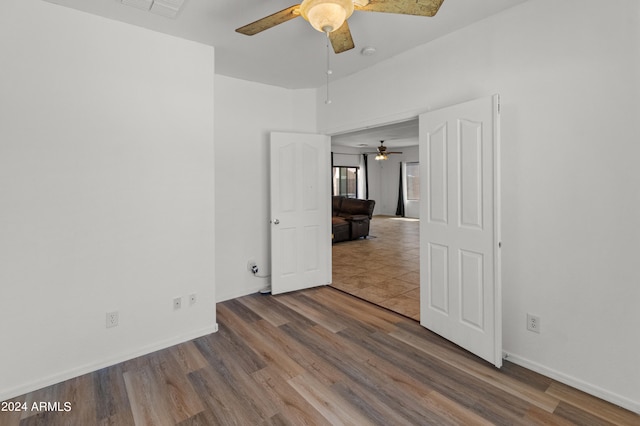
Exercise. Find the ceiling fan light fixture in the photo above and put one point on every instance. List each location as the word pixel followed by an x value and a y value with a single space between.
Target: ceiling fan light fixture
pixel 381 157
pixel 326 15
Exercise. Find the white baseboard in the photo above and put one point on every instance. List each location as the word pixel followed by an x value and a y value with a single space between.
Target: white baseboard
pixel 91 367
pixel 596 391
pixel 242 292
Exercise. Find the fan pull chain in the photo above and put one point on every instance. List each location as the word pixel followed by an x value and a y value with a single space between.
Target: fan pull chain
pixel 329 72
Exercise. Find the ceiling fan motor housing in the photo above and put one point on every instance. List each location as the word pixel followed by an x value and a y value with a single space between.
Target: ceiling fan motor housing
pixel 326 15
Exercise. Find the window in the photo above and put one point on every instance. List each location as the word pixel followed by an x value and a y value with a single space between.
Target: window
pixel 412 171
pixel 345 181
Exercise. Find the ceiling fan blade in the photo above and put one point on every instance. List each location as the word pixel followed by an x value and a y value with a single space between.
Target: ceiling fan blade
pixel 341 39
pixel 394 152
pixel 406 7
pixel 270 21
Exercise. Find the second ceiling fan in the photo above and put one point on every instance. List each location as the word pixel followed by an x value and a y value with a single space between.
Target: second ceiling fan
pixel 382 153
pixel 330 16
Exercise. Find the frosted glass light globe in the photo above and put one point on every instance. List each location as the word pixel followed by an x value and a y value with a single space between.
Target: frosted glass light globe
pixel 326 15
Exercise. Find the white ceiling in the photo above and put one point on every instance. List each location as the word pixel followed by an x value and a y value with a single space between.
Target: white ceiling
pixel 394 136
pixel 293 54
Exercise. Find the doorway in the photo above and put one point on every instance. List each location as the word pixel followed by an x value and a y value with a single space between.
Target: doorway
pixel 461 297
pixel 384 268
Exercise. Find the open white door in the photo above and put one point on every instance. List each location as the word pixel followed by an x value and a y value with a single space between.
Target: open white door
pixel 300 211
pixel 460 288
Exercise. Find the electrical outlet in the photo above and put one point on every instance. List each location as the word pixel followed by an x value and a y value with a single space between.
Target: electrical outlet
pixel 192 299
pixel 112 319
pixel 533 323
pixel 177 303
pixel 252 266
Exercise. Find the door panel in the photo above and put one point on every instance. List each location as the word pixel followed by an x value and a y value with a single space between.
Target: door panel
pixel 460 295
pixel 286 179
pixel 437 267
pixel 287 249
pixel 311 177
pixel 437 179
pixel 470 167
pixel 472 288
pixel 300 211
pixel 312 237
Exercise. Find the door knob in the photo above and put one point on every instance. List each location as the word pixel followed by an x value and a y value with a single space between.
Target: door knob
pixel 276 222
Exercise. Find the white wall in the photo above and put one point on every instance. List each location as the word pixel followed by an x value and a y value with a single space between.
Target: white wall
pixel 106 192
pixel 569 76
pixel 383 181
pixel 246 113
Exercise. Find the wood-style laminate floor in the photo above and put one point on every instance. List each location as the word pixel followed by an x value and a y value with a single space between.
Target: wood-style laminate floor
pixel 315 357
pixel 384 268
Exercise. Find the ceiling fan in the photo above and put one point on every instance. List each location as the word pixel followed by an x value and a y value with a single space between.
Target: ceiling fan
pixel 382 153
pixel 330 16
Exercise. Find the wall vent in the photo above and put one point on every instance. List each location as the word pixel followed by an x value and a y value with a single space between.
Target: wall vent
pixel 166 8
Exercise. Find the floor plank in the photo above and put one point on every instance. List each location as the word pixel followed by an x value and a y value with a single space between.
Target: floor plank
pixel 590 404
pixel 315 357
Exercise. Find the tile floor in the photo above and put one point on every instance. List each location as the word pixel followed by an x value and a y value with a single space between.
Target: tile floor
pixel 385 268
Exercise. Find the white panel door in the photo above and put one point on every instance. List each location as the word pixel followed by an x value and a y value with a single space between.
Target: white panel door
pixel 300 211
pixel 460 288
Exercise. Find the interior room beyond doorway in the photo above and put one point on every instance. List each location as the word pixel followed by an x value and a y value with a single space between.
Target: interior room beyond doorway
pixel 384 268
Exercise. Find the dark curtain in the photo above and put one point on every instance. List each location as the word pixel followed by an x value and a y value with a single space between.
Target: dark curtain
pixel 331 177
pixel 365 166
pixel 400 208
